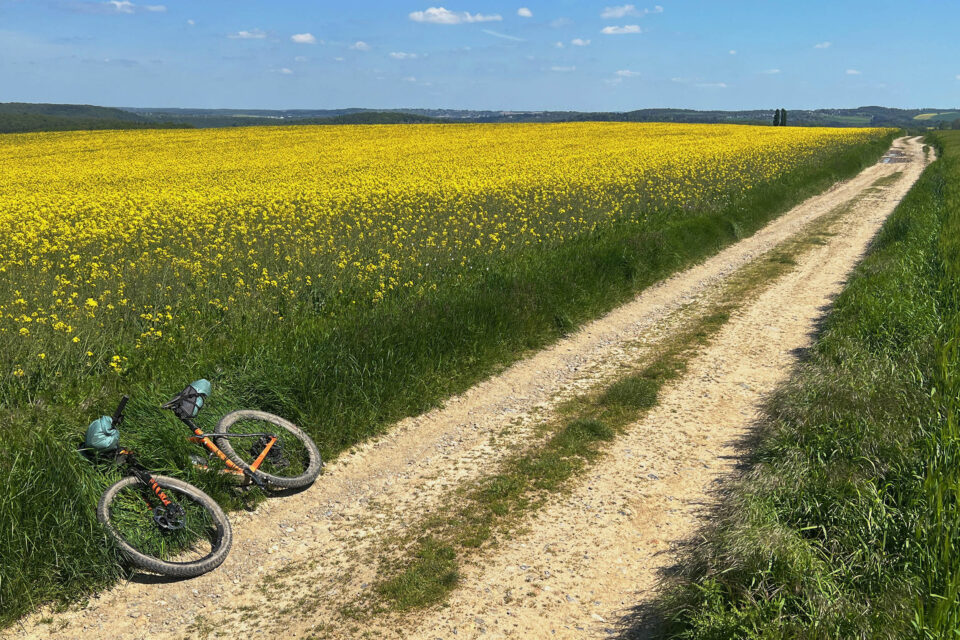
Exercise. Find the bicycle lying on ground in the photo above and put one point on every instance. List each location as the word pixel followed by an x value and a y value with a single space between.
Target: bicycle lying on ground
pixel 167 526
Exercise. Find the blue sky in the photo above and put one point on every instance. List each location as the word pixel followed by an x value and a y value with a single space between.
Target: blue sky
pixel 563 54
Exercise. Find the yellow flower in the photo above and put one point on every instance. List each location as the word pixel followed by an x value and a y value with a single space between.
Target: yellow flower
pixel 42 356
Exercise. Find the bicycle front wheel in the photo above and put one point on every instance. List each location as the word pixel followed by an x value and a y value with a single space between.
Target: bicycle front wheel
pixel 180 545
pixel 292 462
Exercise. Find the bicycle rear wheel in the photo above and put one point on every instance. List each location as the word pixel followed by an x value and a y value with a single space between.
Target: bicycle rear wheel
pixel 292 462
pixel 199 544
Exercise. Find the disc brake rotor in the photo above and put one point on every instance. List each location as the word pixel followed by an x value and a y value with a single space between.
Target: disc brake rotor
pixel 275 456
pixel 170 517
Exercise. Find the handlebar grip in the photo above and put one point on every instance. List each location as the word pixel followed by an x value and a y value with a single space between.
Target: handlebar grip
pixel 118 414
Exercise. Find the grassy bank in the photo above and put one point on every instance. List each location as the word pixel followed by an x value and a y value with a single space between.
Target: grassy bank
pixel 847 524
pixel 344 378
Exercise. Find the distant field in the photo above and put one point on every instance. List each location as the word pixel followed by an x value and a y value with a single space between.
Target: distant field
pixel 343 276
pixel 936 117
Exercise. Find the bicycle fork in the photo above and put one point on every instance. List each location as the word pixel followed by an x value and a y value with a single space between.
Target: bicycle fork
pixel 169 516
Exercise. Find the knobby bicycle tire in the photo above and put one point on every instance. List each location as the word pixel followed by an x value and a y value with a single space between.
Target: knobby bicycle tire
pixel 296 482
pixel 223 536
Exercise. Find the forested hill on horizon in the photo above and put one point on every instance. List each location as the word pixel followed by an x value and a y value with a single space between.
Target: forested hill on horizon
pixel 19 117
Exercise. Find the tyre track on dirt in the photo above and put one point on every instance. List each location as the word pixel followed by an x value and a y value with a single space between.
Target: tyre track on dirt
pixel 331 531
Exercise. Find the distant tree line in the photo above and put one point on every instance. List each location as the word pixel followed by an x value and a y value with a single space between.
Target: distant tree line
pixel 30 122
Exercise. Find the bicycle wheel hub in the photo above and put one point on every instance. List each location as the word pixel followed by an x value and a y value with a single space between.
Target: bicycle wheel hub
pixel 170 517
pixel 274 456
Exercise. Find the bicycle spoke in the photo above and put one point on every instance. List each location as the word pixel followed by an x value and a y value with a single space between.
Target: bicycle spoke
pixel 132 514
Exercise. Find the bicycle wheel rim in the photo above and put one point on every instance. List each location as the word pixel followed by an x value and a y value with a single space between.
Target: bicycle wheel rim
pixel 127 510
pixel 293 461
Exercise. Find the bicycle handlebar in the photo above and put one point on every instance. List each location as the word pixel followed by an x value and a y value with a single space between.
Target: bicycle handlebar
pixel 118 414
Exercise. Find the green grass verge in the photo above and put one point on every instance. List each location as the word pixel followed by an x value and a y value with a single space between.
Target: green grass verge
pixel 847 524
pixel 343 379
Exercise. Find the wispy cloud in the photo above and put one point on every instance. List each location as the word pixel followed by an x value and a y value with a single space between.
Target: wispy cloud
pixel 523 12
pixel 304 38
pixel 563 69
pixel 400 55
pixel 629 10
pixel 113 6
pixel 497 34
pixel 580 42
pixel 733 52
pixel 252 34
pixel 770 72
pixel 626 73
pixel 627 28
pixel 711 85
pixel 958 76
pixel 285 71
pixel 439 15
pixel 853 72
pixel 823 45
pixel 360 45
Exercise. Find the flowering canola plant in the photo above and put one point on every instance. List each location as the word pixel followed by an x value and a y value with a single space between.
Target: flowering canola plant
pixel 114 242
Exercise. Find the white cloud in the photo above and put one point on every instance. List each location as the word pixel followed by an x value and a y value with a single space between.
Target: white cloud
pixel 497 34
pixel 191 22
pixel 286 72
pixel 559 45
pixel 253 34
pixel 853 72
pixel 410 79
pixel 712 85
pixel 360 45
pixel 523 12
pixel 626 73
pixel 125 6
pixel 400 55
pixel 823 45
pixel 733 52
pixel 439 15
pixel 958 76
pixel 580 42
pixel 563 69
pixel 627 28
pixel 339 59
pixel 628 10
pixel 303 38
pixel 301 59
pixel 771 72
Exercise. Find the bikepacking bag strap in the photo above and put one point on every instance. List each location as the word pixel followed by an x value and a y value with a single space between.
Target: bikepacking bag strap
pixel 188 402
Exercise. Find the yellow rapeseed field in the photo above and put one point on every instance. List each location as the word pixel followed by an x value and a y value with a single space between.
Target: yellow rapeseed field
pixel 112 242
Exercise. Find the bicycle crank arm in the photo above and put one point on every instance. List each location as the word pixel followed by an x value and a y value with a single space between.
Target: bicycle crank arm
pixel 253 475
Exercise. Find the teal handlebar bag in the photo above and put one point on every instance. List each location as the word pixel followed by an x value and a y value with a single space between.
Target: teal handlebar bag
pixel 102 436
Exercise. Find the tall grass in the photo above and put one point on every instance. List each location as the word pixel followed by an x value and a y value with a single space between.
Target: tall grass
pixel 848 522
pixel 343 379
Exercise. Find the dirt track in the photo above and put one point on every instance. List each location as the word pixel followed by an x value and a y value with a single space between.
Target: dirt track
pixel 591 554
